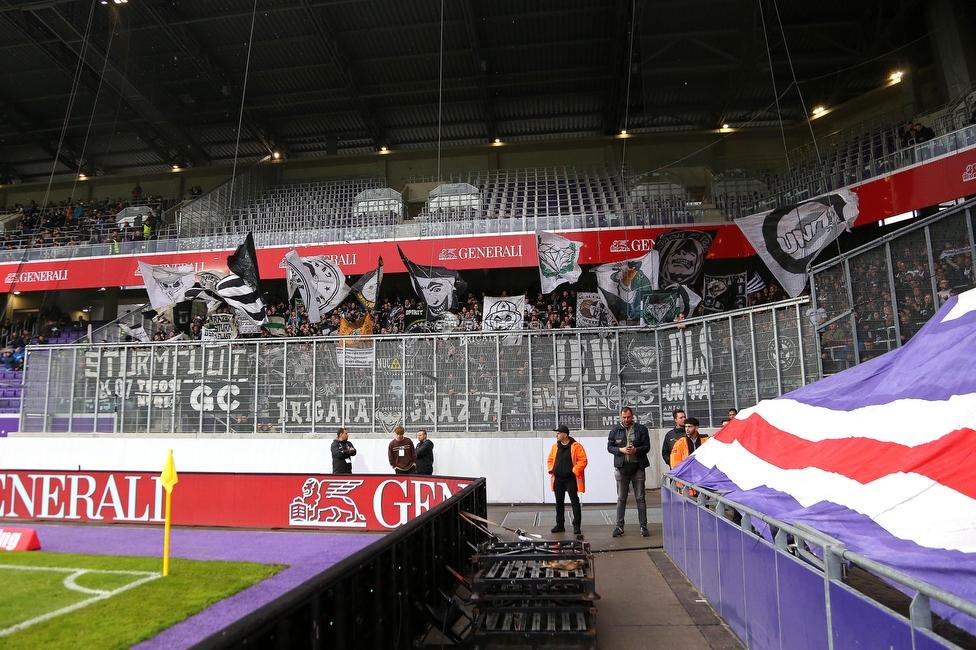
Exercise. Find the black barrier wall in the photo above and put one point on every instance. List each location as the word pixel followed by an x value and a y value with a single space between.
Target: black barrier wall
pixel 374 598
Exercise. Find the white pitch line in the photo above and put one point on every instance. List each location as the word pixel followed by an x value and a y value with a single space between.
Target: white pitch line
pixel 69 583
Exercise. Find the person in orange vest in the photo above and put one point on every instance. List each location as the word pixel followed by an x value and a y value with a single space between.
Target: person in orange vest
pixel 567 460
pixel 684 447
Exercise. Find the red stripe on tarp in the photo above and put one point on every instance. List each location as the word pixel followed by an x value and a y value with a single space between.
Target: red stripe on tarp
pixel 948 460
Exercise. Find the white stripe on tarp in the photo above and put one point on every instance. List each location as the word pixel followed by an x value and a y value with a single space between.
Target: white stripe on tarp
pixel 909 506
pixel 909 422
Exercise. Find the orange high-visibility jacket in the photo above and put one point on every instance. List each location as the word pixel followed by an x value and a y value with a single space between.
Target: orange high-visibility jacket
pixel 578 454
pixel 680 450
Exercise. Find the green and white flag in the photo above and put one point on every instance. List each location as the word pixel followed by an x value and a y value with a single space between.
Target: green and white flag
pixel 558 260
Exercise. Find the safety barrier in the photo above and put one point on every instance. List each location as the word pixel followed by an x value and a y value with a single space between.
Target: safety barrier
pixel 375 598
pixel 448 383
pixel 790 594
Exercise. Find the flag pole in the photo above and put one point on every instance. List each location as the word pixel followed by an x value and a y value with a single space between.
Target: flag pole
pixel 168 479
pixel 169 499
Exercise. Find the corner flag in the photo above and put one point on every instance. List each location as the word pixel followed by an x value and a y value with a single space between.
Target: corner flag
pixel 168 479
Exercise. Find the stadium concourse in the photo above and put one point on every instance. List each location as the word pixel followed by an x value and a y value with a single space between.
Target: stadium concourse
pixel 645 601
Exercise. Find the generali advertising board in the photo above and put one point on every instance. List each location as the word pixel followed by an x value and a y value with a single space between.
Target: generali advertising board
pixel 338 502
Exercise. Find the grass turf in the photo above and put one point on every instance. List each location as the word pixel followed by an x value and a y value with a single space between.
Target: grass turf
pixel 122 620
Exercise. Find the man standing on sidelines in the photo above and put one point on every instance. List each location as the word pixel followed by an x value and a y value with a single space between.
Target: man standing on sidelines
pixel 674 434
pixel 401 453
pixel 342 453
pixel 629 443
pixel 566 463
pixel 425 453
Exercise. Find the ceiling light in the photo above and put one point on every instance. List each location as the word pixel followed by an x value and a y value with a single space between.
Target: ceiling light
pixel 16 293
pixel 818 110
pixel 176 168
pixel 81 177
pixel 725 126
pixel 276 155
pixel 383 149
pixel 896 76
pixel 623 132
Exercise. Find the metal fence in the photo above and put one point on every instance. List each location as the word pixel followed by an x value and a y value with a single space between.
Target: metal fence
pixel 388 595
pixel 876 297
pixel 791 593
pixel 448 383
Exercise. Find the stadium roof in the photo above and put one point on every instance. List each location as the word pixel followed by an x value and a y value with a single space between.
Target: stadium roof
pixel 163 81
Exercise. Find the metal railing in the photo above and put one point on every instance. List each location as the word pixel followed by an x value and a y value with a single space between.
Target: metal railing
pixel 704 550
pixel 450 383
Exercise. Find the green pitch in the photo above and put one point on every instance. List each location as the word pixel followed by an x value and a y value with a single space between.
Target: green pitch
pixel 60 600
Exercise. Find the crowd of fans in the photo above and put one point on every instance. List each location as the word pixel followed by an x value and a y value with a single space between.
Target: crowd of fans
pixel 79 223
pixel 874 311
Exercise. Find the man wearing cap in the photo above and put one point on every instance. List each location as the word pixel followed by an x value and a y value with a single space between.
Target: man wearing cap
pixel 629 443
pixel 566 463
pixel 683 447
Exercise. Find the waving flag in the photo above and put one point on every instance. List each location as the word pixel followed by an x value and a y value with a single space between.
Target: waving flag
pixel 367 288
pixel 319 281
pixel 622 283
pixel 558 260
pixel 788 239
pixel 166 285
pixel 437 286
pixel 881 456
pixel 241 289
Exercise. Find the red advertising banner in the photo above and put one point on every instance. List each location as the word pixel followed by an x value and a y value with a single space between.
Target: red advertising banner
pixel 460 253
pixel 338 502
pixel 925 184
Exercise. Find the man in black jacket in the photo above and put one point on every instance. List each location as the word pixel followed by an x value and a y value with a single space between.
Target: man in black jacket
pixel 425 453
pixel 629 444
pixel 342 453
pixel 674 434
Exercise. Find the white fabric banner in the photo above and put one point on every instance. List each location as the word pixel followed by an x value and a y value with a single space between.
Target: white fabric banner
pixel 319 281
pixel 558 260
pixel 166 285
pixel 788 239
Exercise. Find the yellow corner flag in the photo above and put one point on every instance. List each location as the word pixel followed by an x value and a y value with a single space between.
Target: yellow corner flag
pixel 168 479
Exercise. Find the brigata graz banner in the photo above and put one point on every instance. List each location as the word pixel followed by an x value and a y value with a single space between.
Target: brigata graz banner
pixel 340 502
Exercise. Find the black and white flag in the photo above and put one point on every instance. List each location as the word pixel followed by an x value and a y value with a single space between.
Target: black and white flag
pixel 437 286
pixel 367 288
pixel 166 285
pixel 724 292
pixel 318 280
pixel 788 239
pixel 503 314
pixel 683 255
pixel 241 289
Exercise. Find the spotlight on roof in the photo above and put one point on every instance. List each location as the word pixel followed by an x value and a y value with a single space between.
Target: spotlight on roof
pixel 818 110
pixel 896 76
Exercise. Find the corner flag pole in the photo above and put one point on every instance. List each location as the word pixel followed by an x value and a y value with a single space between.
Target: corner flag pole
pixel 168 479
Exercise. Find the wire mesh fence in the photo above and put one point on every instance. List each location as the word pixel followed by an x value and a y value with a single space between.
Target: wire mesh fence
pixel 453 384
pixel 874 299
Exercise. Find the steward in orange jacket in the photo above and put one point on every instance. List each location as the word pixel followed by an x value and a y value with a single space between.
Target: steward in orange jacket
pixel 566 463
pixel 683 447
